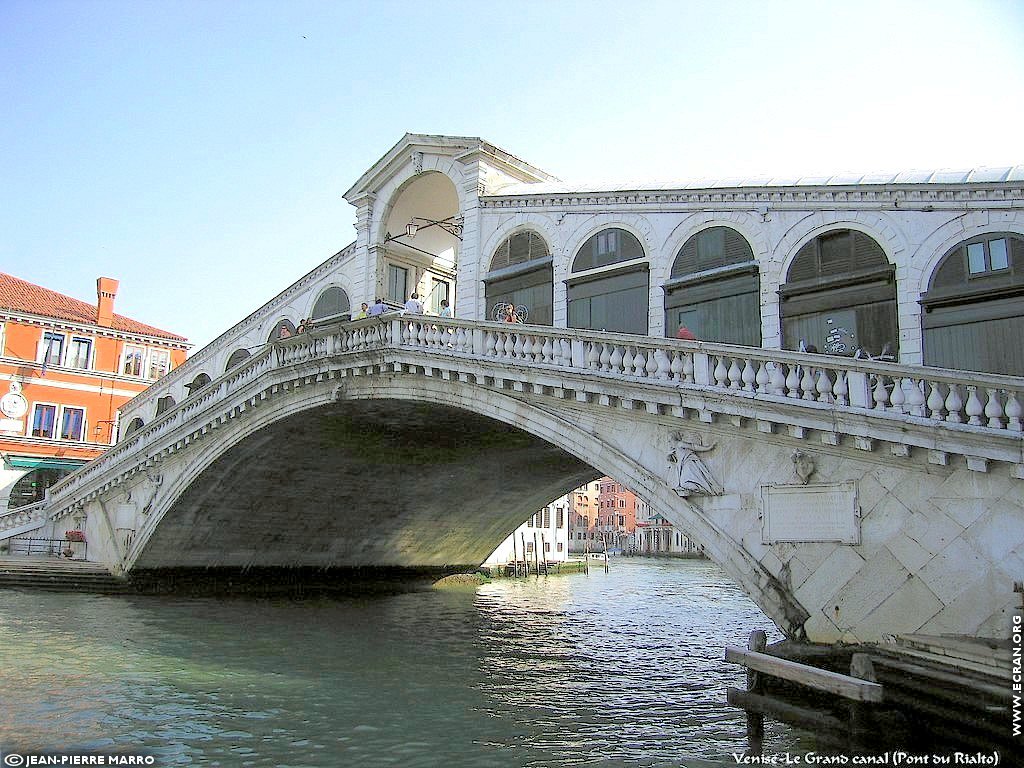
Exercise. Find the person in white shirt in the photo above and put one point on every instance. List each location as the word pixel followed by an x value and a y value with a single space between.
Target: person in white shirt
pixel 413 306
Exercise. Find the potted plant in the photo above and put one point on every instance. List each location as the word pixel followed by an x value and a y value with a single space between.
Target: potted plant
pixel 73 538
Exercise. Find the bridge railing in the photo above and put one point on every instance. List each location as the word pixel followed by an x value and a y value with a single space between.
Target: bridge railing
pixel 977 399
pixel 944 396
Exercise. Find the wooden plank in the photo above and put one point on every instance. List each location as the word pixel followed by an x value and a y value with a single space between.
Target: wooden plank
pixel 812 677
pixel 811 719
pixel 959 685
pixel 948 662
pixel 977 651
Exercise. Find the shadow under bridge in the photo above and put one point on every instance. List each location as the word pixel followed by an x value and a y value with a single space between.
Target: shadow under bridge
pixel 363 483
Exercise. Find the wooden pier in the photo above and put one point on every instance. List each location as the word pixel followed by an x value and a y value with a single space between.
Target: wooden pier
pixel 919 692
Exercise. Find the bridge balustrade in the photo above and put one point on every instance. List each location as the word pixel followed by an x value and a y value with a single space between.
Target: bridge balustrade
pixel 943 398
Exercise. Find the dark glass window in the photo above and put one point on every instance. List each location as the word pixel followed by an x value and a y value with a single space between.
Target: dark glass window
pixel 238 357
pixel 840 297
pixel 332 302
pixel 519 248
pixel 610 246
pixel 713 289
pixel 615 300
pixel 283 329
pixel 974 307
pixel 521 274
pixel 199 382
pixel 164 404
pixel 398 282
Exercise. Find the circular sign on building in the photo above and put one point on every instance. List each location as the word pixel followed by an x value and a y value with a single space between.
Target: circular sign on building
pixel 13 404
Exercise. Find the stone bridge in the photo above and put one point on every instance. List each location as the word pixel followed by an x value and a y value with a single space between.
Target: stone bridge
pixel 849 498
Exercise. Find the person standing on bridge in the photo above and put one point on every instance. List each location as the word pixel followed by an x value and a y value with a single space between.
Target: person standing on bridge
pixel 685 333
pixel 378 308
pixel 510 314
pixel 445 311
pixel 413 305
pixel 364 312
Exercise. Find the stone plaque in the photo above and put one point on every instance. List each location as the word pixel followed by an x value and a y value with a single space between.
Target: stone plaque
pixel 810 513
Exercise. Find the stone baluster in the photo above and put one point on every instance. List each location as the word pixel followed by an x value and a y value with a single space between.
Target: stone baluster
pixel 619 359
pixel 898 396
pixel 936 402
pixel 593 355
pixel 639 364
pixel 994 409
pixel 749 375
pixel 653 367
pixel 915 396
pixel 527 347
pixel 823 386
pixel 565 359
pixel 807 383
pixel 973 408
pixel 763 377
pixel 721 372
pixel 606 356
pixel 879 393
pixel 954 402
pixel 421 333
pixel 735 374
pixel 1013 412
pixel 793 382
pixel 546 350
pixel 490 342
pixel 687 369
pixel 511 340
pixel 663 365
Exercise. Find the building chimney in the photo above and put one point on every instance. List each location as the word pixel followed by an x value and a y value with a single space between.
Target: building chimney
pixel 106 290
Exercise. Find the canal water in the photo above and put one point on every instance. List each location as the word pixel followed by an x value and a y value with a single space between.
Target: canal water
pixel 623 668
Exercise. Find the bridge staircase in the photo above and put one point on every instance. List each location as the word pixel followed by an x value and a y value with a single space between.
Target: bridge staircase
pixel 58 574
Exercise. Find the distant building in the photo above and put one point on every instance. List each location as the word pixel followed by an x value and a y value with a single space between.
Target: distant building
pixel 546 533
pixel 66 366
pixel 584 506
pixel 655 535
pixel 616 515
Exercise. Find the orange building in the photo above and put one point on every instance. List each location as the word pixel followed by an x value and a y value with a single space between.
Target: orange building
pixel 66 366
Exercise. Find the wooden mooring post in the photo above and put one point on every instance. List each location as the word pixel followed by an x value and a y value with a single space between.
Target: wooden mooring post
pixel 858 689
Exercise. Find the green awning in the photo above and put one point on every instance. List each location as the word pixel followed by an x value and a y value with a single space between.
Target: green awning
pixel 26 462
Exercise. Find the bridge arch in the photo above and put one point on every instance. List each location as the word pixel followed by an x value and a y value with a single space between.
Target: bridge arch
pixel 573 451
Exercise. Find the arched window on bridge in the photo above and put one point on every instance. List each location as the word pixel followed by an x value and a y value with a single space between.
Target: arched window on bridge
pixel 283 329
pixel 200 381
pixel 333 304
pixel 521 274
pixel 840 296
pixel 610 285
pixel 164 404
pixel 713 289
pixel 974 307
pixel 238 357
pixel 133 426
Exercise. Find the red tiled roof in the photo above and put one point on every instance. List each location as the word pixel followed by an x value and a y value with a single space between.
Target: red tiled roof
pixel 17 295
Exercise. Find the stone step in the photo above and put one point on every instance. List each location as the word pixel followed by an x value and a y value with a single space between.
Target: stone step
pixel 990 664
pixel 58 574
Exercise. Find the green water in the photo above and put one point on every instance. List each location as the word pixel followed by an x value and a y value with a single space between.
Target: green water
pixel 608 669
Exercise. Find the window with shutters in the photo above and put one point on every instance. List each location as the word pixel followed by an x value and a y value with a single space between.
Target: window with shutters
pixel 333 302
pixel 616 297
pixel 713 289
pixel 973 310
pixel 840 297
pixel 521 274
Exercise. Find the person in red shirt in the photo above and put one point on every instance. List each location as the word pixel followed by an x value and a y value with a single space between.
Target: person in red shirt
pixel 685 333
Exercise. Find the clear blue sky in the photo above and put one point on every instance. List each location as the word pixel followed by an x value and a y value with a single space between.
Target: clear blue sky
pixel 198 151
